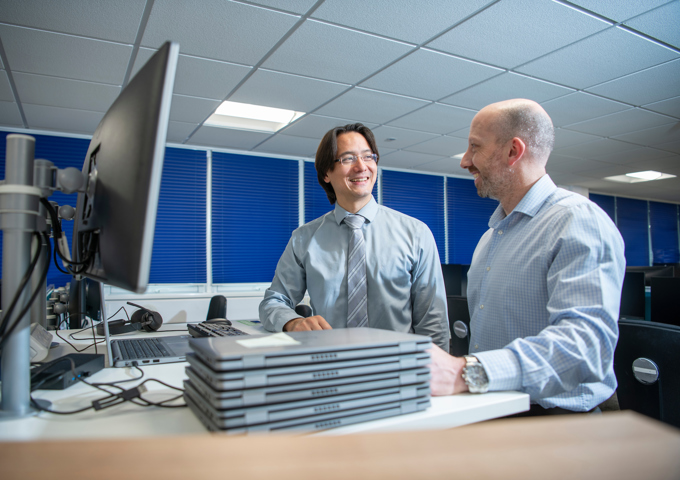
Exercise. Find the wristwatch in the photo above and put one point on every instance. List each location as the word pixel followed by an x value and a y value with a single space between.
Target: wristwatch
pixel 474 375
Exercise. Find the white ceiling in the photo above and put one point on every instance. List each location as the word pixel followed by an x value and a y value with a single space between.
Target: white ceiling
pixel 416 71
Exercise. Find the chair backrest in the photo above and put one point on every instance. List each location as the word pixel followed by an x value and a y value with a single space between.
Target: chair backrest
pixel 217 307
pixel 459 324
pixel 647 367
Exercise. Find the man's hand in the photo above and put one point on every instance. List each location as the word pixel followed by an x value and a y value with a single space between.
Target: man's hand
pixel 317 322
pixel 447 373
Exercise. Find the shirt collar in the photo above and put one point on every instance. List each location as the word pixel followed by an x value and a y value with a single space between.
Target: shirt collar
pixel 530 203
pixel 369 211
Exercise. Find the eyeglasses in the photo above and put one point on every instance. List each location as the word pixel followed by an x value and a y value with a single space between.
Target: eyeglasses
pixel 352 159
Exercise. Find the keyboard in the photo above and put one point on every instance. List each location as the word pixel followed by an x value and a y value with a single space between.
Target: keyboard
pixel 205 329
pixel 132 349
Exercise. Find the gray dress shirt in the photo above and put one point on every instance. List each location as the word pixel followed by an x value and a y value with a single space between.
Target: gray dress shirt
pixel 404 277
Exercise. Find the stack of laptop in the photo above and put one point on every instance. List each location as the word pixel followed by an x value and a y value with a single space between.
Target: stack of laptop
pixel 306 381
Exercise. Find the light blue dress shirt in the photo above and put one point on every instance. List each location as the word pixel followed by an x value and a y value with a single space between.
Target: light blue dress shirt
pixel 404 276
pixel 544 288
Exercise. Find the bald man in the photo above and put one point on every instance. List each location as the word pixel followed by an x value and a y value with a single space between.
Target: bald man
pixel 544 284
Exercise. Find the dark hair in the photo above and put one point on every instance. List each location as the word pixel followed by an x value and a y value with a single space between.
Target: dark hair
pixel 328 150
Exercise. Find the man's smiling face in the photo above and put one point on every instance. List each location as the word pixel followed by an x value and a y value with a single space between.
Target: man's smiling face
pixel 353 184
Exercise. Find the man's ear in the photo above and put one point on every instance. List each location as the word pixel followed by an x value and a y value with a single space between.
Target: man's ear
pixel 516 152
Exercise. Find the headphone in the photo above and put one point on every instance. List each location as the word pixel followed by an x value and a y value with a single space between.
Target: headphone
pixel 142 319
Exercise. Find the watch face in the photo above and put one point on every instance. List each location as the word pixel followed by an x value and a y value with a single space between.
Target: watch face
pixel 475 377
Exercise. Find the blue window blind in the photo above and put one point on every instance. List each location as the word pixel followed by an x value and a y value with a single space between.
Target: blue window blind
pixel 468 218
pixel 419 196
pixel 664 231
pixel 606 203
pixel 632 223
pixel 255 209
pixel 63 152
pixel 316 201
pixel 179 245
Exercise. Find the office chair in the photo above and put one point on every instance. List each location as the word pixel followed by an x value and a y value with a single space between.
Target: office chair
pixel 217 307
pixel 646 366
pixel 459 324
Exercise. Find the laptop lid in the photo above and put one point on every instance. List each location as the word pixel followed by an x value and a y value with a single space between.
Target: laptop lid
pixel 296 348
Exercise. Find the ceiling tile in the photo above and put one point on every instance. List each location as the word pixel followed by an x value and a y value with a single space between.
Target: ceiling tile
pixel 669 107
pixel 620 9
pixel 504 87
pixel 673 146
pixel 462 133
pixel 316 126
pixel 401 138
pixel 568 138
pixel 116 21
pixel 633 155
pixel 647 86
pixel 246 33
pixel 293 6
pixel 538 19
pixel 404 159
pixel 662 23
pixel 282 90
pixel 179 131
pixel 396 19
pixel 436 118
pixel 226 138
pixel 9 114
pixel 597 148
pixel 43 53
pixel 445 165
pixel 578 107
pixel 621 122
pixel 563 163
pixel 199 77
pixel 62 92
pixel 289 145
pixel 328 52
pixel 665 165
pixel 371 106
pixel 444 146
pixel 60 119
pixel 430 75
pixel 653 137
pixel 600 58
pixel 6 94
pixel 191 109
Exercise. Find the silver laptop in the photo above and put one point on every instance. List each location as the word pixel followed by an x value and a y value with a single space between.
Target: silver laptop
pixel 295 374
pixel 140 351
pixel 247 416
pixel 316 422
pixel 302 391
pixel 319 346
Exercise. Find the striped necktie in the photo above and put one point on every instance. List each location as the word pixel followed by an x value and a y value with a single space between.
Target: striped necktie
pixel 357 300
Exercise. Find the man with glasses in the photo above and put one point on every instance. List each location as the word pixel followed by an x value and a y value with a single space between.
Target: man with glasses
pixel 402 288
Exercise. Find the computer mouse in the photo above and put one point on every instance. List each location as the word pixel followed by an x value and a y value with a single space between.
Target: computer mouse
pixel 221 321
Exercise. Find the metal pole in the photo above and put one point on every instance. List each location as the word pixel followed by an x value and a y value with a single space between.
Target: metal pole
pixel 19 201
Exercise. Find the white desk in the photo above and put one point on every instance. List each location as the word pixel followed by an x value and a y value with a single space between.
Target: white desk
pixel 129 420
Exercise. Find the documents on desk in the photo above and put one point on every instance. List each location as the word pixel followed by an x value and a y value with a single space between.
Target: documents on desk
pixel 306 381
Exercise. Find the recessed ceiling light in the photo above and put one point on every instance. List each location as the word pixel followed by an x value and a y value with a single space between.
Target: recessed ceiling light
pixel 243 116
pixel 637 177
pixel 458 156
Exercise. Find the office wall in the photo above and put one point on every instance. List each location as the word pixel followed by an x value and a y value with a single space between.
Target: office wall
pixel 224 218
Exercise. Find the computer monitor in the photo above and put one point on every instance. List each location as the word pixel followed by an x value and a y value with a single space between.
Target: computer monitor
pixel 116 215
pixel 455 278
pixel 665 300
pixel 633 296
pixel 653 271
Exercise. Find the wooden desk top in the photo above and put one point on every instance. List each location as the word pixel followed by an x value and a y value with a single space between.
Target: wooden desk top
pixel 620 445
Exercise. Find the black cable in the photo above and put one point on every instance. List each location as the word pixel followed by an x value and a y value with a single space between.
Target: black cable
pixel 24 281
pixel 37 291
